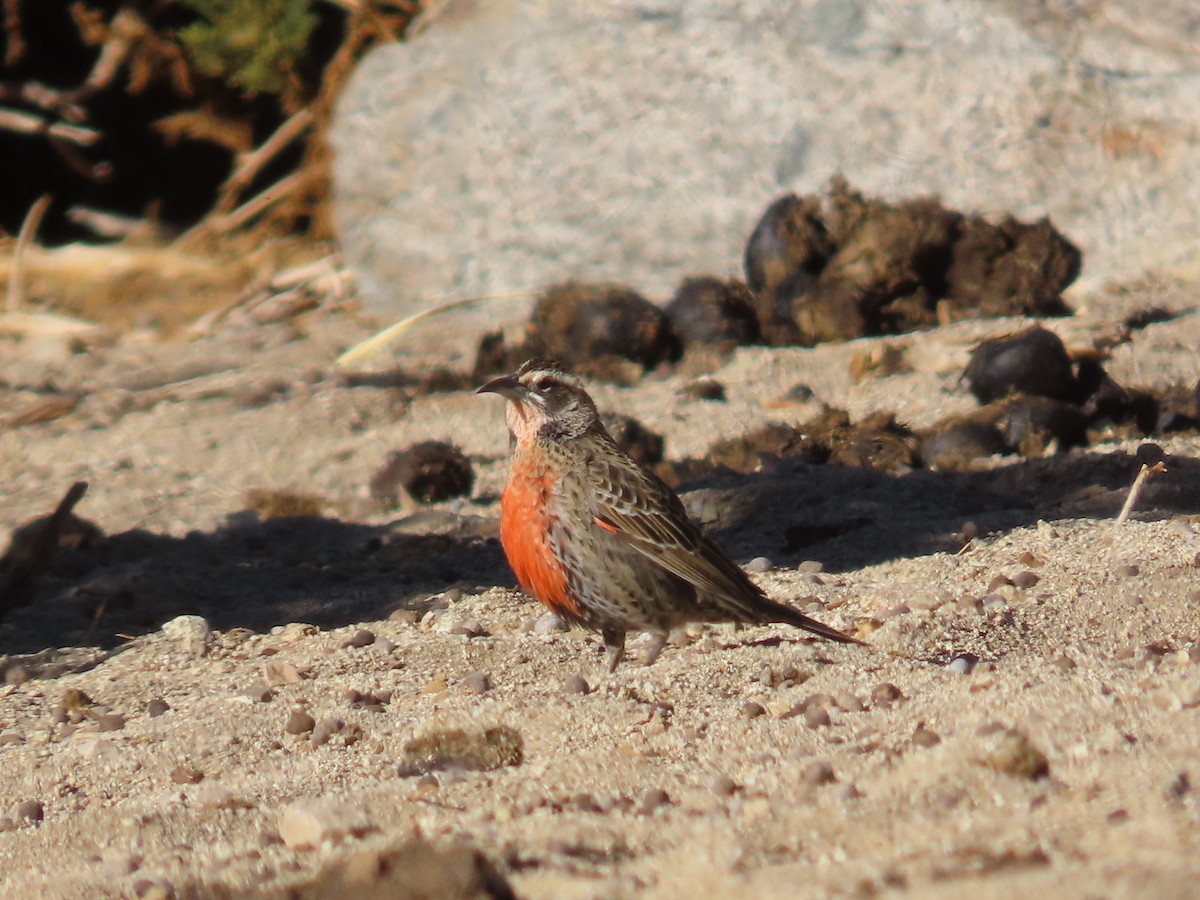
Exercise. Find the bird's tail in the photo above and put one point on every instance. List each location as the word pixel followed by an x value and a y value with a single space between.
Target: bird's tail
pixel 788 616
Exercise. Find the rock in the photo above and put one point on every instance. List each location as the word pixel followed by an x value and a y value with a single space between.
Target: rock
pixel 885 694
pixel 549 623
pixel 278 672
pixel 327 729
pixel 307 823
pixel 819 773
pixel 477 682
pixel 925 737
pixel 724 786
pixel 576 684
pixel 186 775
pixel 474 749
pixel 614 166
pixel 751 710
pixel 1014 753
pixel 191 633
pixel 653 800
pixel 31 811
pixel 157 888
pixel 157 707
pixel 361 638
pixel 299 722
pixel 963 664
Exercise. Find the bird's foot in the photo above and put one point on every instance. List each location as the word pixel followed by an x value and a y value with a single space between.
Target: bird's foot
pixel 614 643
pixel 657 642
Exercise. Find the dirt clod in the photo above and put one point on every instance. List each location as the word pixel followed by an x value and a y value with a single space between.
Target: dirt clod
pixel 429 472
pixel 479 749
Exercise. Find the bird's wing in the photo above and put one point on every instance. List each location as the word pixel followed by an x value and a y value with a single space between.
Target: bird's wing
pixel 642 511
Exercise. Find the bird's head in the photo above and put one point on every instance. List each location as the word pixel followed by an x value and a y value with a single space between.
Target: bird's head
pixel 544 401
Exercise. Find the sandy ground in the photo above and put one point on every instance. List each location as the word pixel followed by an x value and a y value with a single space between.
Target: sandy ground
pixel 743 763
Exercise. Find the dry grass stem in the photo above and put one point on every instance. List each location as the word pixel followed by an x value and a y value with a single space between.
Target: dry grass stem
pixel 16 278
pixel 378 342
pixel 1139 483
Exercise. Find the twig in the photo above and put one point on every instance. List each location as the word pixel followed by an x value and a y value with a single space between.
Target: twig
pixel 14 44
pixel 251 163
pixel 377 342
pixel 284 187
pixel 110 225
pixel 16 281
pixel 124 31
pixel 1143 476
pixel 27 123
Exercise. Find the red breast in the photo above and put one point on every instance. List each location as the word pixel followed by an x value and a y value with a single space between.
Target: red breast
pixel 526 517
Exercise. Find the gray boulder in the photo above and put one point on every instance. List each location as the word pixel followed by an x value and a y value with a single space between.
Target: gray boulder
pixel 513 143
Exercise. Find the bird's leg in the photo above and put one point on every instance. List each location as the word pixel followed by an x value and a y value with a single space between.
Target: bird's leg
pixel 614 642
pixel 658 640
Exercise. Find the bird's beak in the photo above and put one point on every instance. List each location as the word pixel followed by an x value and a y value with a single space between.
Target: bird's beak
pixel 506 386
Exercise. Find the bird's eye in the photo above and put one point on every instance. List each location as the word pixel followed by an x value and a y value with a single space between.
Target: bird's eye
pixel 543 385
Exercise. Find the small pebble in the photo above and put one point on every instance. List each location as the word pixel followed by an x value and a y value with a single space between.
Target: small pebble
pixel 309 822
pixel 324 730
pixel 816 716
pixel 299 722
pixel 405 616
pixel 477 682
pixel 848 792
pixel 109 722
pixel 30 811
pixel 154 889
pixel 278 672
pixel 1026 579
pixel 751 710
pixel 884 695
pixel 963 664
pixel 191 633
pixel 121 864
pixel 724 786
pixel 998 582
pixel 1013 753
pixel 157 707
pixel 361 638
pixel 653 799
pixel 1179 787
pixel 1028 559
pixel 819 773
pixel 385 645
pixel 259 691
pixel 549 623
pixel 759 564
pixel 576 684
pixel 8 738
pixel 810 567
pixel 848 702
pixel 993 603
pixel 585 803
pixel 1063 663
pixel 186 775
pixel 472 628
pixel 16 674
pixel 1128 571
pixel 704 389
pixel 925 737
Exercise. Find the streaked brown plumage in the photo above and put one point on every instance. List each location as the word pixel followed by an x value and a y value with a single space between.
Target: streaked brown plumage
pixel 600 540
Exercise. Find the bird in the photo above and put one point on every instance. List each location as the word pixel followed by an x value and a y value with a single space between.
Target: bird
pixel 602 541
